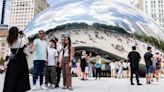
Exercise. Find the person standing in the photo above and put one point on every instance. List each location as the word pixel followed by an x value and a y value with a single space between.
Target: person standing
pixel 120 70
pixel 78 69
pixel 149 65
pixel 17 77
pixel 68 53
pixel 98 67
pixel 52 57
pixel 90 71
pixel 157 61
pixel 113 69
pixel 60 47
pixel 83 64
pixel 88 55
pixel 134 58
pixel 39 48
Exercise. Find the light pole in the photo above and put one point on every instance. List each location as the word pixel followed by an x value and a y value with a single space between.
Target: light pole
pixel 3 11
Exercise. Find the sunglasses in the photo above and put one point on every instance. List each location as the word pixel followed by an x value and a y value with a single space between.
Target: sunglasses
pixel 41 33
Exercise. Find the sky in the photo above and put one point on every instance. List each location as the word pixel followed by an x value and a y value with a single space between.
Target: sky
pixel 8 3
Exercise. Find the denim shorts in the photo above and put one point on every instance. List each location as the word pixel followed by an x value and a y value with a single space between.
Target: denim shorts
pixel 149 68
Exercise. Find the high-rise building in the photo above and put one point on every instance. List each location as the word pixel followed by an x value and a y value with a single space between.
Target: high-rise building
pixel 155 10
pixel 22 11
pixel 152 8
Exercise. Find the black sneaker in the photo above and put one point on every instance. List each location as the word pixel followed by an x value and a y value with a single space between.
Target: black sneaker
pixel 56 86
pixel 82 79
pixel 132 83
pixel 139 84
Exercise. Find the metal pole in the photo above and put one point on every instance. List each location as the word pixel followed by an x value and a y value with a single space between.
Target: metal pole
pixel 3 11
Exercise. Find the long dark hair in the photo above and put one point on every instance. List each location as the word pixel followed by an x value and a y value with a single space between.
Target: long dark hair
pixel 13 35
pixel 69 45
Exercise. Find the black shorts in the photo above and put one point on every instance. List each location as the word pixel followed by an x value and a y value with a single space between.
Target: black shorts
pixel 83 69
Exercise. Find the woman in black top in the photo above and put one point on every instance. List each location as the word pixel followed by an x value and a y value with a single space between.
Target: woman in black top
pixel 17 78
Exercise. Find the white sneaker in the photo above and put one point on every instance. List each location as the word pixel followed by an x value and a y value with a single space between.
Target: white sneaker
pixel 48 85
pixel 43 87
pixel 52 86
pixel 33 87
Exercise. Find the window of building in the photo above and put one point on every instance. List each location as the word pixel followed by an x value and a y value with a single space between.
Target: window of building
pixel 3 44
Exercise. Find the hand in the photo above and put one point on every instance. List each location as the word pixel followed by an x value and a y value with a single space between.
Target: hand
pixel 46 61
pixel 31 51
pixel 70 64
pixel 60 65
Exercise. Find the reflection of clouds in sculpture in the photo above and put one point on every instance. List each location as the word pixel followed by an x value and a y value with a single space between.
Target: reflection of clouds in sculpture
pixel 110 12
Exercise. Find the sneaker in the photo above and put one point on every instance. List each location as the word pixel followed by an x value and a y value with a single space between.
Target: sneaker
pixel 33 87
pixel 148 82
pixel 132 83
pixel 65 87
pixel 43 87
pixel 70 88
pixel 53 86
pixel 56 86
pixel 48 85
pixel 139 84
pixel 82 79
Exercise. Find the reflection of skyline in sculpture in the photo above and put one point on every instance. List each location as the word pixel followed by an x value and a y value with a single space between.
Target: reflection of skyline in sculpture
pixel 110 12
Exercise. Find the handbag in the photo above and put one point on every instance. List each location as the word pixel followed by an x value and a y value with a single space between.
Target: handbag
pixel 14 55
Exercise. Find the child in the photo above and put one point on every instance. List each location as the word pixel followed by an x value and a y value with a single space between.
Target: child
pixel 52 55
pixel 78 69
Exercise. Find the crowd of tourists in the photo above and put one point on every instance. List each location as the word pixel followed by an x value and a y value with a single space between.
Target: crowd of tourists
pixel 51 57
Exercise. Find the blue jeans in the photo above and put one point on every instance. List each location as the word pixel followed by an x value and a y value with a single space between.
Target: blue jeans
pixel 39 66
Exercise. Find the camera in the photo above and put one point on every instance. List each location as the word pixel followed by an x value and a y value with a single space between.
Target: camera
pixel 21 32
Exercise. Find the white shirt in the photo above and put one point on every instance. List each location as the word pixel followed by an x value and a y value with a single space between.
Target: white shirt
pixel 60 51
pixel 20 42
pixel 52 53
pixel 66 52
pixel 59 47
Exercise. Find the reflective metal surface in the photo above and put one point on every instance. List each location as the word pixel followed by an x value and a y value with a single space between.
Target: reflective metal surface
pixel 110 12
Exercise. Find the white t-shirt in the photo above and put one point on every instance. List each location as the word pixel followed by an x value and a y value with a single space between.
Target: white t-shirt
pixel 59 47
pixel 60 50
pixel 52 54
pixel 66 53
pixel 20 42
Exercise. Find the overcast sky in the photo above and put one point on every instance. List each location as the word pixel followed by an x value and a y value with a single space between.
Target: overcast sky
pixel 8 3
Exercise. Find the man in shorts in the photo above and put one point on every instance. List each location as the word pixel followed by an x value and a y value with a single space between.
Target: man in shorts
pixel 149 65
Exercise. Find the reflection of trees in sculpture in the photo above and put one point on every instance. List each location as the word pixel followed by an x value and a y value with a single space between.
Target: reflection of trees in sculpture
pixel 97 26
pixel 106 28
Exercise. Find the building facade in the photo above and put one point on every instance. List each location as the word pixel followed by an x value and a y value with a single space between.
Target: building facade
pixel 152 8
pixel 4 48
pixel 155 10
pixel 22 11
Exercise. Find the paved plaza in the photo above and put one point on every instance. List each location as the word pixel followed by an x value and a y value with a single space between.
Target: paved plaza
pixel 104 85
